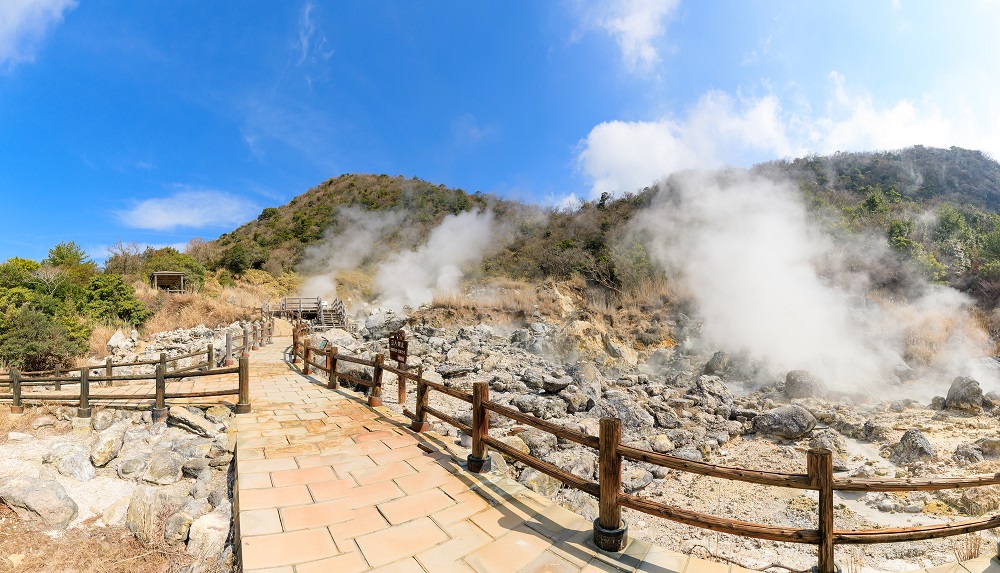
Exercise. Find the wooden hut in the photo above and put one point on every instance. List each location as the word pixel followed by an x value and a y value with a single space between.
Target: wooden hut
pixel 170 281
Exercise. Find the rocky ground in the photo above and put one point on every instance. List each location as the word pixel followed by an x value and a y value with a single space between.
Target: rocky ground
pixel 716 408
pixel 167 484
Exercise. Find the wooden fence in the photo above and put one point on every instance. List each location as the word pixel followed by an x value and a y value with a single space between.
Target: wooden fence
pixel 12 387
pixel 610 531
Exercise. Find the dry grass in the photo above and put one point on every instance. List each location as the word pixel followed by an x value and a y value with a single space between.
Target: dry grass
pixel 190 310
pixel 99 337
pixel 968 546
pixel 21 422
pixel 81 550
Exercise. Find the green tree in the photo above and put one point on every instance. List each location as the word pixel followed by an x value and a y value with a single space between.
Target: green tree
pixel 109 297
pixel 35 341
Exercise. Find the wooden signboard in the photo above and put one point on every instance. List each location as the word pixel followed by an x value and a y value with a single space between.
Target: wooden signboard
pixel 398 346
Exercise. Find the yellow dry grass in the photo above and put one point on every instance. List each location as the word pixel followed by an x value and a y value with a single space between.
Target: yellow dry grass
pixel 189 310
pixel 99 337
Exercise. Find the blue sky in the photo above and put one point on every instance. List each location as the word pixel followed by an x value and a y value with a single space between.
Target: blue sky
pixel 159 121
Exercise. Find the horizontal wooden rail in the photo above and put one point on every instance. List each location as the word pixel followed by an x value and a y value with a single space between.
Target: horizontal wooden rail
pixel 721 524
pixel 917 533
pixel 354 379
pixel 914 484
pixel 555 429
pixel 317 365
pixel 449 391
pixel 401 373
pixel 446 418
pixel 546 468
pixel 354 360
pixel 215 372
pixel 798 481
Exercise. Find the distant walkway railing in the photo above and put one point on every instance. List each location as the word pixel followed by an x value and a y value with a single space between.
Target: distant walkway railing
pixel 610 531
pixel 13 386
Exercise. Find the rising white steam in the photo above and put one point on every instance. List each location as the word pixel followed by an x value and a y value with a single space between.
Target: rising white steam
pixel 750 256
pixel 411 278
pixel 357 236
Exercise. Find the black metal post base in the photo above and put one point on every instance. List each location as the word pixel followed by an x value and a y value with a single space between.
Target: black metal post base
pixel 613 540
pixel 815 569
pixel 242 409
pixel 420 426
pixel 477 465
pixel 83 412
pixel 17 409
pixel 160 414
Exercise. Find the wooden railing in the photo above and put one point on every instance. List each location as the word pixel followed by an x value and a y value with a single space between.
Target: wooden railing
pixel 610 531
pixel 12 387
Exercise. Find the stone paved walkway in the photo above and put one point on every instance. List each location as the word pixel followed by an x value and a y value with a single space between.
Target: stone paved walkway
pixel 328 484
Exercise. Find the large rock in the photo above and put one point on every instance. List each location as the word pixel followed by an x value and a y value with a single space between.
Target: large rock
pixel 717 365
pixel 165 468
pixel 912 447
pixel 577 461
pixel 208 534
pixel 539 482
pixel 539 443
pixel 576 400
pixel 965 394
pixel 179 523
pixel 107 444
pixel 713 395
pixel 802 384
pixel 42 502
pixel 72 460
pixel 120 344
pixel 618 404
pixel 589 379
pixel 199 425
pixel 789 422
pixel 102 419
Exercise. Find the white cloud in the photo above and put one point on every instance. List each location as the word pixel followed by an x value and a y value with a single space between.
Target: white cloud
pixel 190 207
pixel 636 25
pixel 311 42
pixel 23 24
pixel 721 129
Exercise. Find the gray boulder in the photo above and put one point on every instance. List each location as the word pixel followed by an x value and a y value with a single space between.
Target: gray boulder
pixel 208 534
pixel 72 460
pixel 539 443
pixel 802 384
pixel 41 502
pixel 589 379
pixel 661 444
pixel 912 447
pixel 140 518
pixel 618 404
pixel 107 444
pixel 102 419
pixel 965 394
pixel 198 425
pixel 788 422
pixel 165 467
pixel 577 461
pixel 539 482
pixel 179 523
pixel 635 478
pixel 713 395
pixel 576 400
pixel 717 365
pixel 553 385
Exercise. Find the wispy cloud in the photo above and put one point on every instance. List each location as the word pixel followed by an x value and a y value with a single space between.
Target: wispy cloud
pixel 23 24
pixel 638 26
pixel 189 207
pixel 312 43
pixel 466 129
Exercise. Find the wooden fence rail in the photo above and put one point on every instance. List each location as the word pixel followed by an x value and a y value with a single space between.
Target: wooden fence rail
pixel 610 531
pixel 254 336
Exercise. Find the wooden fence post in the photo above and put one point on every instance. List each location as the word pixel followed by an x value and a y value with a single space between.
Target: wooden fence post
pixel 270 331
pixel 228 360
pixel 477 461
pixel 246 341
pixel 210 356
pixel 58 375
pixel 243 406
pixel 295 344
pixel 306 356
pixel 108 371
pixel 160 403
pixel 376 397
pixel 420 423
pixel 163 361
pixel 84 410
pixel 255 345
pixel 332 380
pixel 15 384
pixel 819 467
pixel 610 532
